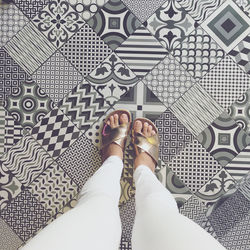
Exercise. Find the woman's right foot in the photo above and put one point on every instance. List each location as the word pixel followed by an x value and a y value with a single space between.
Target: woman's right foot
pixel 144 158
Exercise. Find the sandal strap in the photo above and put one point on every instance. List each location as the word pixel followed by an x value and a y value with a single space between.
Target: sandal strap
pixel 117 135
pixel 149 145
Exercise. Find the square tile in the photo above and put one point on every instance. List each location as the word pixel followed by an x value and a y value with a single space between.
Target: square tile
pixel 196 58
pixel 215 188
pixel 112 79
pixel 168 80
pixel 85 50
pixel 29 155
pixel 170 24
pixel 240 165
pixel 228 25
pixel 241 54
pixel 25 215
pixel 172 182
pixel 55 132
pixel 31 8
pixel 143 9
pixel 141 51
pixel 196 109
pixel 53 188
pixel 226 82
pixel 28 104
pixel 87 8
pixel 194 166
pixel 244 5
pixel 11 75
pixel 10 186
pixel 57 77
pixel 199 9
pixel 80 160
pixel 83 105
pixel 141 102
pixel 12 20
pixel 30 48
pixel 114 23
pixel 58 22
pixel 224 152
pixel 173 136
pixel 9 240
pixel 2 129
pixel 229 214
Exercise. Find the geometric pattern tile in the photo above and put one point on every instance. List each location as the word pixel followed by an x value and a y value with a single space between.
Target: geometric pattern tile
pixel 9 240
pixel 27 159
pixel 125 244
pixel 58 22
pixel 29 48
pixel 85 50
pixel 83 105
pixel 53 188
pixel 141 102
pixel 10 186
pixel 112 78
pixel 238 237
pixel 12 20
pixel 57 77
pixel 227 25
pixel 215 188
pixel 30 8
pixel 13 131
pixel 173 136
pixel 244 5
pixel 87 8
pixel 168 80
pixel 11 75
pixel 194 166
pixel 55 132
pixel 243 185
pixel 196 109
pixel 224 139
pixel 229 214
pixel 226 82
pixel 141 51
pixel 241 54
pixel 80 160
pixel 170 24
pixel 172 182
pixel 239 111
pixel 143 9
pixel 25 215
pixel 28 104
pixel 2 129
pixel 198 53
pixel 200 9
pixel 240 165
pixel 114 23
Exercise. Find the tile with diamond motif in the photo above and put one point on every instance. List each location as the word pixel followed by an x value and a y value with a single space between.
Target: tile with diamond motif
pixel 228 25
pixel 114 23
pixel 170 24
pixel 112 79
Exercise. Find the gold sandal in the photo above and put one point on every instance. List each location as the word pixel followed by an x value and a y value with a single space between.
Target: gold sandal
pixel 142 143
pixel 117 135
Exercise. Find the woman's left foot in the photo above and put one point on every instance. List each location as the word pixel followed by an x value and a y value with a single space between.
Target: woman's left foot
pixel 113 148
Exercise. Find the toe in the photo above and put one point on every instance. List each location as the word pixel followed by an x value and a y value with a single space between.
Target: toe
pixel 150 128
pixel 112 121
pixel 124 118
pixel 138 126
pixel 116 120
pixel 145 129
pixel 153 132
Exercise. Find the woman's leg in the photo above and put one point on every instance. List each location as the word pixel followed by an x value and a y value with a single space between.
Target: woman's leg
pixel 94 223
pixel 158 223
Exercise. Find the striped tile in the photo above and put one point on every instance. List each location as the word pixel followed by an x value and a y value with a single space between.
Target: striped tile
pixel 141 51
pixel 2 126
pixel 240 165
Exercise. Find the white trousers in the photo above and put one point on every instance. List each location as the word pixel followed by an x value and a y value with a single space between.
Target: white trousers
pixel 94 224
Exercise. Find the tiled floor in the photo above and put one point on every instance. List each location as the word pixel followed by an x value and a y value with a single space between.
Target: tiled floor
pixel 64 65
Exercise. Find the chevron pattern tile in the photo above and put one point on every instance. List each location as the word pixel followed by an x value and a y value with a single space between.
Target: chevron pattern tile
pixel 65 65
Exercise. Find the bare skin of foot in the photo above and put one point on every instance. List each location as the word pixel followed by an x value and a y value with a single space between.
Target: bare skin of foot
pixel 144 158
pixel 114 149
